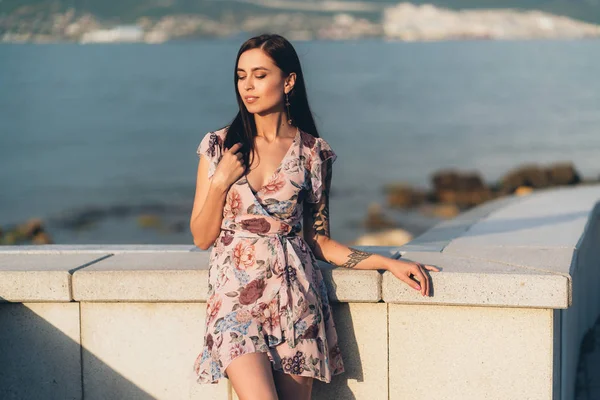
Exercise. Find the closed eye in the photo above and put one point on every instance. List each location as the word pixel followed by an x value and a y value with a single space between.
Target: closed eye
pixel 241 78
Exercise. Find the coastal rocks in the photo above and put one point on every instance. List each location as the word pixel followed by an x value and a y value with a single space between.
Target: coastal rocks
pixel 539 177
pixel 149 221
pixel 464 199
pixel 31 231
pixel 523 191
pixel 388 237
pixel 376 218
pixel 528 175
pixel 383 230
pixel 444 211
pixel 162 218
pixel 454 191
pixel 465 190
pixel 455 181
pixel 86 217
pixel 563 174
pixel 404 196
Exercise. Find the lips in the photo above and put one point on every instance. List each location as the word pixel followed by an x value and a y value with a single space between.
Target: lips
pixel 250 99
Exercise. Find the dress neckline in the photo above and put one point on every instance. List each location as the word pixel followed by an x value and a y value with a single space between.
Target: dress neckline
pixel 296 137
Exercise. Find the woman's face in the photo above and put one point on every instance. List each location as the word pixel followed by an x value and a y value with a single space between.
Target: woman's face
pixel 261 83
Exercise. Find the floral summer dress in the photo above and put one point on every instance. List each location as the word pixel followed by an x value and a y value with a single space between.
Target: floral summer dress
pixel 265 290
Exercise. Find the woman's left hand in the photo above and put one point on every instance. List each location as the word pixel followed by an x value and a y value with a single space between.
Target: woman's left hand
pixel 403 270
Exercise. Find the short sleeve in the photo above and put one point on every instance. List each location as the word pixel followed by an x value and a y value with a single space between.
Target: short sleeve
pixel 320 153
pixel 210 147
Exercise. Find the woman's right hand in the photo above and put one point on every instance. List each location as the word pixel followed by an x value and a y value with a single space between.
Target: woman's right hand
pixel 230 167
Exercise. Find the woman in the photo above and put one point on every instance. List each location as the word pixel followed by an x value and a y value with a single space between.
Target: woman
pixel 261 181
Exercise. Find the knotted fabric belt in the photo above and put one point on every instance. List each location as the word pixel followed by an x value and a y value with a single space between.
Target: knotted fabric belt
pixel 292 279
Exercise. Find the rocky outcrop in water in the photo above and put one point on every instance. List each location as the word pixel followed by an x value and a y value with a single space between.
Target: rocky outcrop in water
pixel 32 232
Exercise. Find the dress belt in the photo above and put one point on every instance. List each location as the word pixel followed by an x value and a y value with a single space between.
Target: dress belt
pixel 293 284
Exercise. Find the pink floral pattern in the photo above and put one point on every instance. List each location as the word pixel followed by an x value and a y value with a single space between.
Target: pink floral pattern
pixel 275 184
pixel 233 204
pixel 265 290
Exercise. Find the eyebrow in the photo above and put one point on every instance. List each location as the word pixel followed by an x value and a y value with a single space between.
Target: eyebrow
pixel 253 69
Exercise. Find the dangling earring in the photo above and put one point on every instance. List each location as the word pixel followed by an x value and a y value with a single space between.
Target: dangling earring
pixel 287 104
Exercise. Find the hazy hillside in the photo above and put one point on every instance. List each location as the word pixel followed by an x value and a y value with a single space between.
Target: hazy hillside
pixel 130 10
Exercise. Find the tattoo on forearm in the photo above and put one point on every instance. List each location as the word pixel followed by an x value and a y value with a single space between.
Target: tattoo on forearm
pixel 355 257
pixel 321 219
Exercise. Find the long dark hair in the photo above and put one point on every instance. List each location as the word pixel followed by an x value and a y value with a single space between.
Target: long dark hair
pixel 243 128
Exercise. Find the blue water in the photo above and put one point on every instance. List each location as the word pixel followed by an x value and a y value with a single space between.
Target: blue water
pixel 99 125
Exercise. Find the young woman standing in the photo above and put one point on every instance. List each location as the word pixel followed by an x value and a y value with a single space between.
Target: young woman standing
pixel 263 180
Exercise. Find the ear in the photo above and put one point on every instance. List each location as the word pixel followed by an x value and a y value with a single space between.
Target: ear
pixel 290 81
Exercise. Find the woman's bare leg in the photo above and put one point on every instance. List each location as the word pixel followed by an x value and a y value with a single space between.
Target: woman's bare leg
pixel 292 387
pixel 251 377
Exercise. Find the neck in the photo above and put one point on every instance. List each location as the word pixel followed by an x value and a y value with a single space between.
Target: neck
pixel 273 126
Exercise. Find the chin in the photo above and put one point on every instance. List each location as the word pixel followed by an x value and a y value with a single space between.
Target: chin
pixel 253 109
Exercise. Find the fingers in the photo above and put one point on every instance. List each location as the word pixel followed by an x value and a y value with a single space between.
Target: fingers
pixel 431 268
pixel 416 271
pixel 422 266
pixel 420 277
pixel 409 282
pixel 235 148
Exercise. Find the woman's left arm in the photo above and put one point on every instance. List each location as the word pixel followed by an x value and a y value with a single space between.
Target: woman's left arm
pixel 317 234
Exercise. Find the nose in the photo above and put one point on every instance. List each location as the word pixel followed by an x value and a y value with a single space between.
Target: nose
pixel 248 83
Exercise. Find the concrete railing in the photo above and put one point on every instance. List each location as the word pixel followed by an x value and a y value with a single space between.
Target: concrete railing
pixel 518 289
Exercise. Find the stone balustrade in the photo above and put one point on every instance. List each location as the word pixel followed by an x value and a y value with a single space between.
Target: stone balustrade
pixel 519 287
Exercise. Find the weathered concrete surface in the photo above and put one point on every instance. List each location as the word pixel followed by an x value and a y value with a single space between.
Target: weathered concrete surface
pixel 143 351
pixel 483 353
pixel 183 276
pixel 96 248
pixel 510 269
pixel 40 354
pixel 468 281
pixel 144 277
pixel 40 277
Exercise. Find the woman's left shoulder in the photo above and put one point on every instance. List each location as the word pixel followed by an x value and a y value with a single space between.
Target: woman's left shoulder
pixel 319 148
pixel 314 143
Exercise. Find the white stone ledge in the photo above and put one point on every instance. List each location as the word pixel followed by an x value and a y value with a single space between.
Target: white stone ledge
pixel 512 252
pixel 151 277
pixel 97 248
pixel 183 277
pixel 464 281
pixel 40 278
pixel 95 273
pixel 515 252
pixel 509 270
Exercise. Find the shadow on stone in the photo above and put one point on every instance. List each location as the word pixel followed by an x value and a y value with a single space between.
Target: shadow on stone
pixel 40 357
pixel 338 387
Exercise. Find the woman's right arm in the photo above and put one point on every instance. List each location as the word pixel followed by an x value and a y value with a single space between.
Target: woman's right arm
pixel 211 193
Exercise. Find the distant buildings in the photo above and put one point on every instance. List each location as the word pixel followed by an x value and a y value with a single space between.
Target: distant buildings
pixel 118 34
pixel 408 22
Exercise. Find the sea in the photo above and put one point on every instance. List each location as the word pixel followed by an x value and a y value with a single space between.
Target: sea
pixel 94 136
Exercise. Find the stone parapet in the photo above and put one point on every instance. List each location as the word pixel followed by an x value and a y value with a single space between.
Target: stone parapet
pixel 518 290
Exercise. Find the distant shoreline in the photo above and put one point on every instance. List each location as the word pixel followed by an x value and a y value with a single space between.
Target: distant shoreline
pixel 329 20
